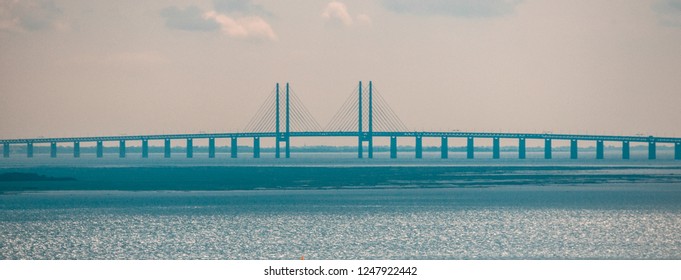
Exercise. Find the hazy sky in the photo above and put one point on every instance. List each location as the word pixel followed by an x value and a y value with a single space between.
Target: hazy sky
pixel 85 68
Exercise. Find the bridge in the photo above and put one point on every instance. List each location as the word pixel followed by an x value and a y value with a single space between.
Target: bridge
pixel 364 115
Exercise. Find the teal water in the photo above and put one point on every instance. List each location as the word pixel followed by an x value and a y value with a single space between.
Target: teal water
pixel 340 209
pixel 529 222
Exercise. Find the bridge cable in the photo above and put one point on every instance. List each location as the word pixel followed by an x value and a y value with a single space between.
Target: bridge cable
pixel 335 120
pixel 265 121
pixel 392 117
pixel 340 119
pixel 256 117
pixel 262 112
pixel 309 121
pixel 348 121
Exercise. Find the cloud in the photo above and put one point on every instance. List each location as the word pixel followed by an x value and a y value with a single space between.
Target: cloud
pixel 244 27
pixel 28 15
pixel 244 7
pixel 455 8
pixel 337 12
pixel 193 18
pixel 668 12
pixel 190 18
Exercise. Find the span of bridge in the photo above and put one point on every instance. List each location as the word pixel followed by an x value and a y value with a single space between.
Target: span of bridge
pixel 365 118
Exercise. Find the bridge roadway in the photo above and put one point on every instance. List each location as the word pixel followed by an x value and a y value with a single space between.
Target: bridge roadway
pixel 580 137
pixel 444 135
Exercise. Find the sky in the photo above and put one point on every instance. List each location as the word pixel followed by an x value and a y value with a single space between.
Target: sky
pixel 88 68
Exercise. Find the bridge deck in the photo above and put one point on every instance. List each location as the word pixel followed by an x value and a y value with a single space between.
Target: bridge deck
pixel 457 134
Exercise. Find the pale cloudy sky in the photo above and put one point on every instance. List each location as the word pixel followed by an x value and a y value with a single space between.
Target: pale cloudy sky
pixel 82 68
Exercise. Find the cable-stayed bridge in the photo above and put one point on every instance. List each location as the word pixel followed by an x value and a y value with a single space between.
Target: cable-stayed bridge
pixel 364 115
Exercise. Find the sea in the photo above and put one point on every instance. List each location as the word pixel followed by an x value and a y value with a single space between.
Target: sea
pixel 337 207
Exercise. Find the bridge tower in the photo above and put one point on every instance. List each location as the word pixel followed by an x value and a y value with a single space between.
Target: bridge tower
pixel 367 136
pixel 289 115
pixel 286 135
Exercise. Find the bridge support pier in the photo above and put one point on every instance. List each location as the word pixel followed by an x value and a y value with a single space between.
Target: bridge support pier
pixel 521 148
pixel 5 150
pixel 190 148
pixel 652 150
pixel 53 150
pixel 256 147
pixel 166 148
pixel 625 150
pixel 234 146
pixel 393 146
pixel 547 148
pixel 444 149
pixel 76 149
pixel 121 149
pixel 100 149
pixel 288 147
pixel 599 149
pixel 496 150
pixel 360 151
pixel 470 148
pixel 574 148
pixel 145 148
pixel 370 145
pixel 29 150
pixel 677 151
pixel 211 147
pixel 419 147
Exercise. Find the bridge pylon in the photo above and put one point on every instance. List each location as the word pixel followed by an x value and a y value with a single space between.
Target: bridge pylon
pixel 368 135
pixel 286 135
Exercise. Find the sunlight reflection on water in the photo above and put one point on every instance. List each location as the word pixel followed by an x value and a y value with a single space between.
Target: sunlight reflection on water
pixel 598 222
